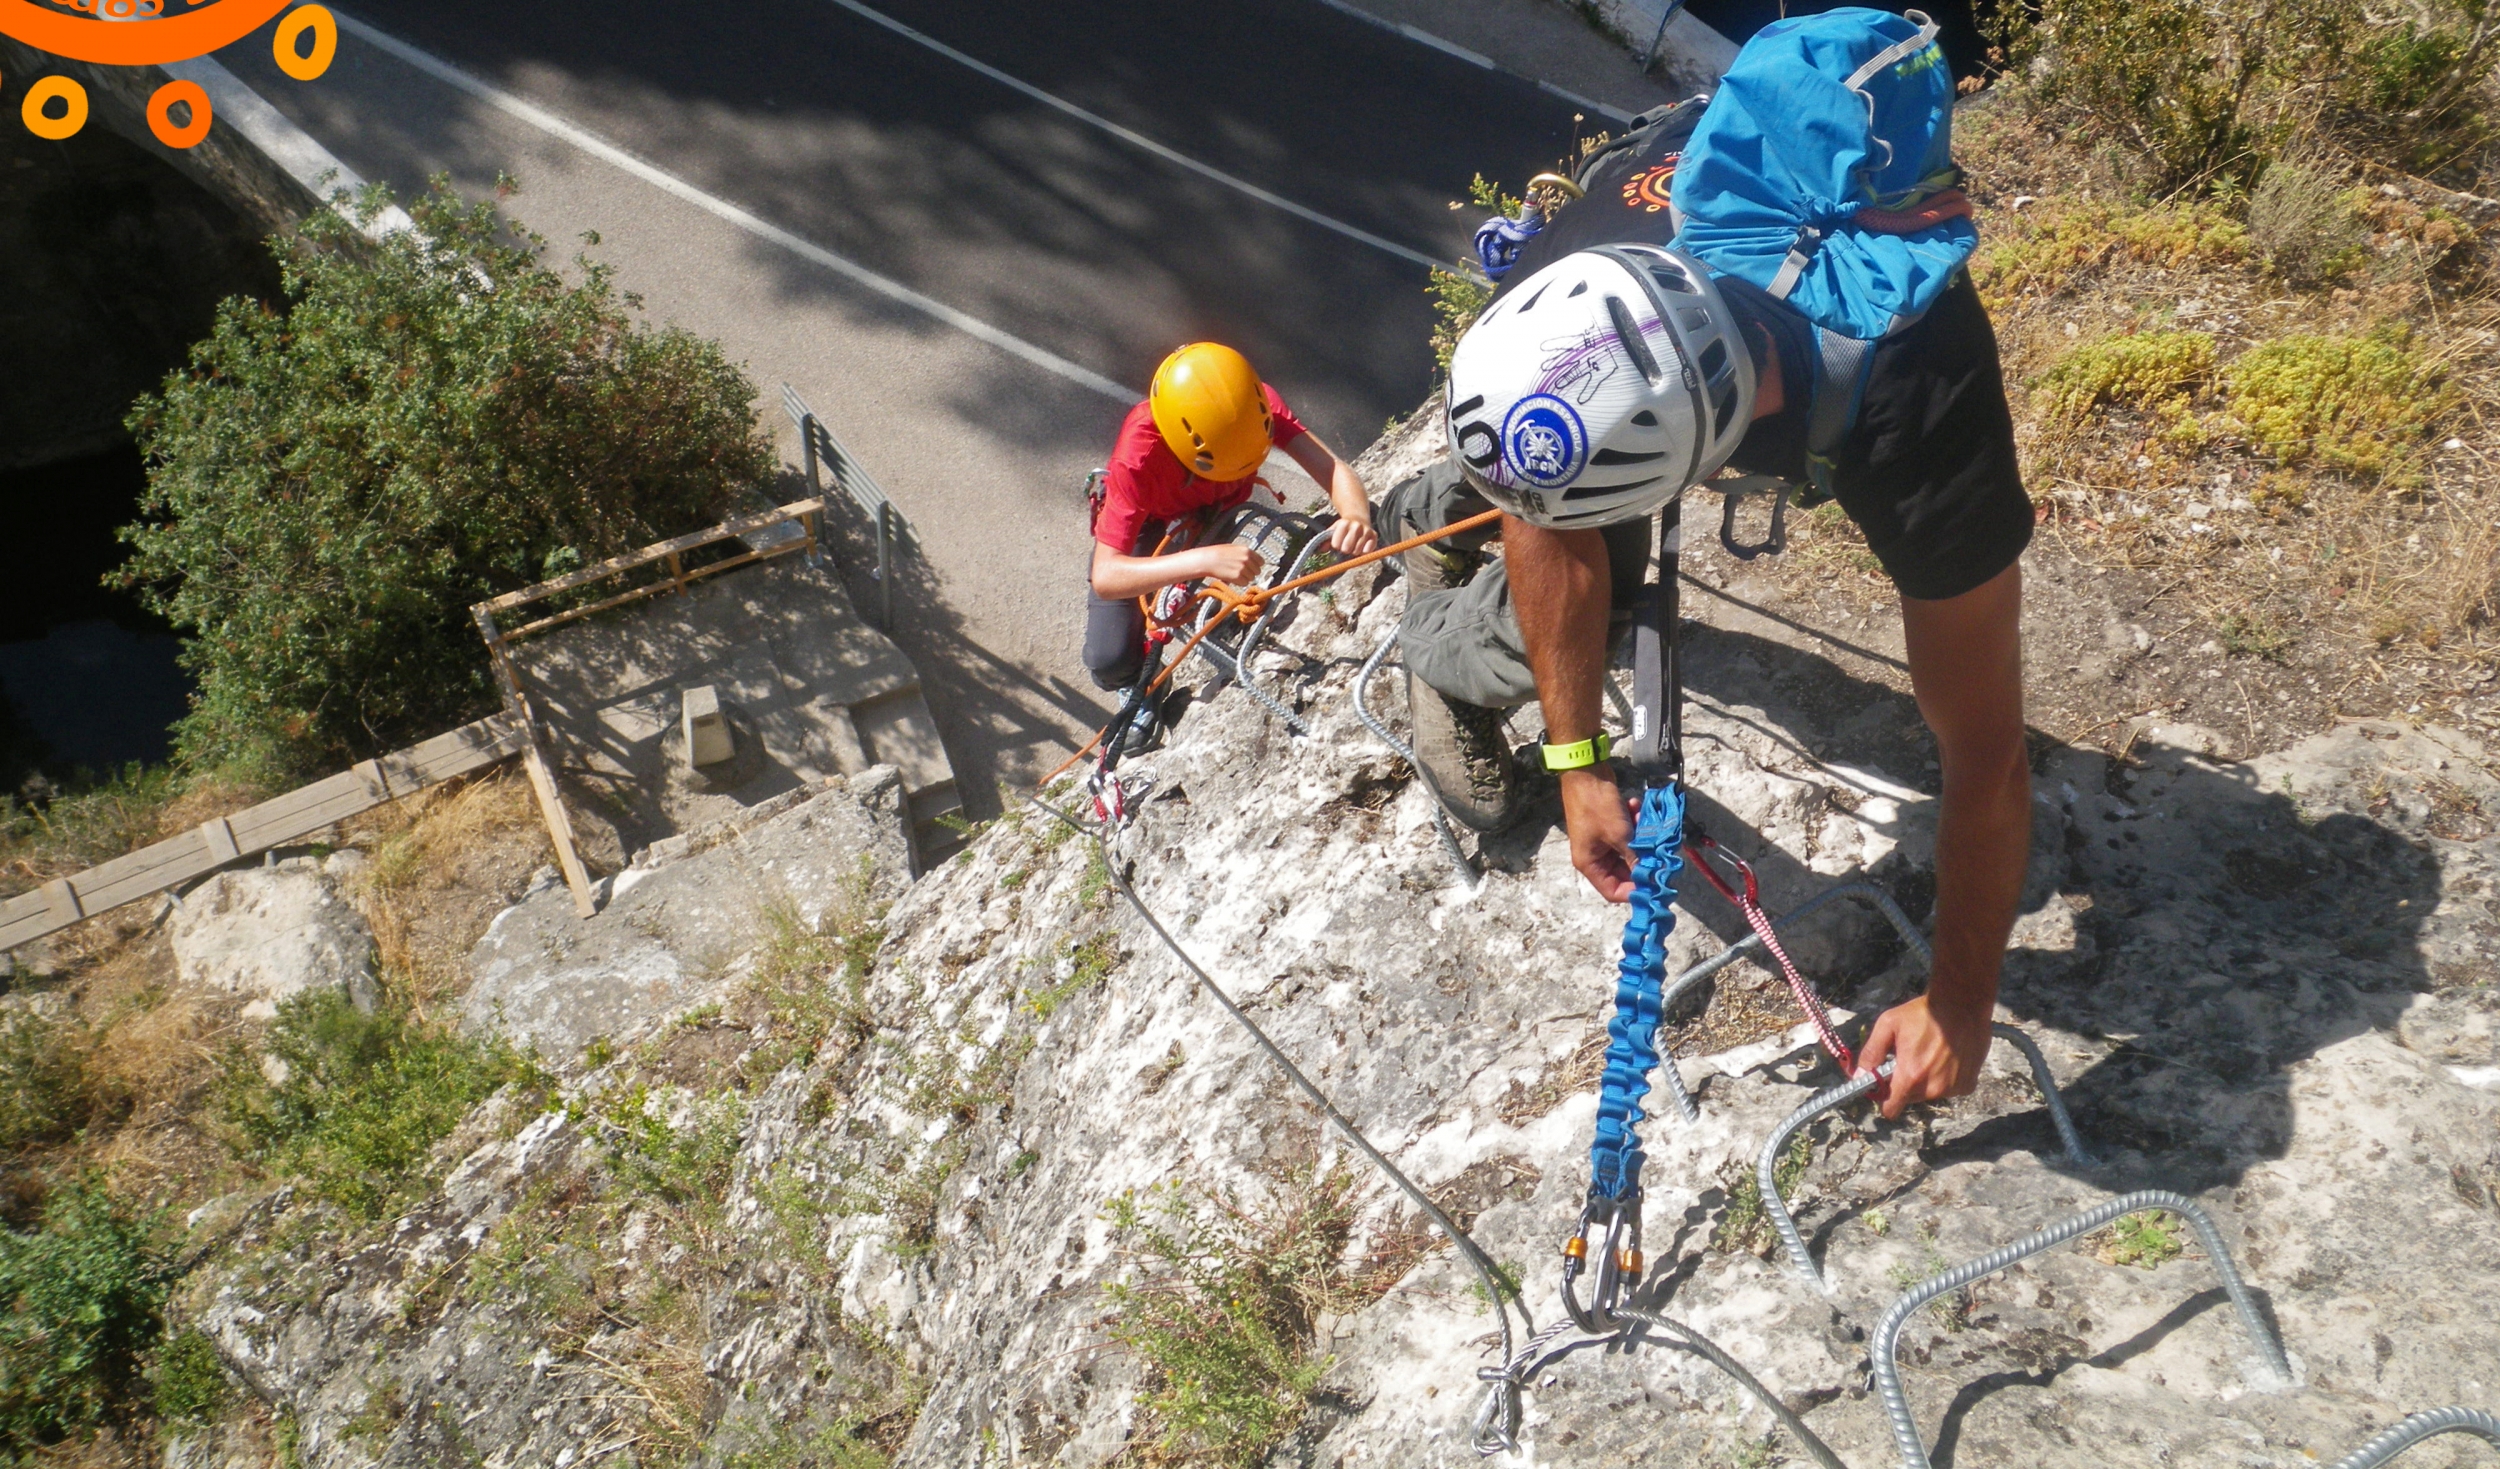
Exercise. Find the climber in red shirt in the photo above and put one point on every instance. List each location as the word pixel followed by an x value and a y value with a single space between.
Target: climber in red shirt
pixel 1195 445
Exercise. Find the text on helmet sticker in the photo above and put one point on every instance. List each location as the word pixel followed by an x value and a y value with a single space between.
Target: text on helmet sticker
pixel 1543 441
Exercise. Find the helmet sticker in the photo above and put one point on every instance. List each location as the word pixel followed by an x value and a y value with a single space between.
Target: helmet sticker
pixel 1579 365
pixel 1543 441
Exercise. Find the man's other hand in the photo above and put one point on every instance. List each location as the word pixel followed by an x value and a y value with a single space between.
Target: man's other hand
pixel 1599 819
pixel 1934 1053
pixel 1229 562
pixel 1352 537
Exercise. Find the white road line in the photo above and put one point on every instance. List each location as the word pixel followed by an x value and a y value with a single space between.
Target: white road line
pixel 1424 37
pixel 668 183
pixel 1138 139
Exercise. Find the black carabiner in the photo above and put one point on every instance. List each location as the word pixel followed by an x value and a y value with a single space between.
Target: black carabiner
pixel 1772 543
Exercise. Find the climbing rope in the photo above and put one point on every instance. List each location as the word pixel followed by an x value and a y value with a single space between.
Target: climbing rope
pixel 1362 711
pixel 1610 1222
pixel 1749 903
pixel 1247 605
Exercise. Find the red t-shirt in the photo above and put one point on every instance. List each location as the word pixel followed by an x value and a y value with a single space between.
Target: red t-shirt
pixel 1145 482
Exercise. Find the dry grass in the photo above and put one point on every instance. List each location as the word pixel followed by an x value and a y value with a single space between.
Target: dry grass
pixel 443 862
pixel 2311 464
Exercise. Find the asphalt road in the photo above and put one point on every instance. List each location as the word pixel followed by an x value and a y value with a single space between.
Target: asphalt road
pixel 954 184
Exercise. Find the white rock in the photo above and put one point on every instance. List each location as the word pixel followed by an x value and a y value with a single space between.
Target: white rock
pixel 270 933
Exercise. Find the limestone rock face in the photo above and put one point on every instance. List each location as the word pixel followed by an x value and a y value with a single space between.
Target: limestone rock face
pixel 667 926
pixel 269 933
pixel 2267 985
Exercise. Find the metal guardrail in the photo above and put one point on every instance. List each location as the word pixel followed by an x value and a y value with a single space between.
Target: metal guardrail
pixel 823 449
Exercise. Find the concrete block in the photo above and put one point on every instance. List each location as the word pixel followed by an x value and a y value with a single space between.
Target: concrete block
pixel 707 732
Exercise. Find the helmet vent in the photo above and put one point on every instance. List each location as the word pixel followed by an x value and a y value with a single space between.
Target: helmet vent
pixel 1713 358
pixel 1626 456
pixel 1530 304
pixel 1470 406
pixel 1726 411
pixel 1576 290
pixel 1628 332
pixel 1645 419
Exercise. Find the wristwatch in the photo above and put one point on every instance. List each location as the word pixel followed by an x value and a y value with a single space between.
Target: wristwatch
pixel 1579 754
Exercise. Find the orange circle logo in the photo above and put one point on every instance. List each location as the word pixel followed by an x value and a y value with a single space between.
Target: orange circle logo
pixel 145 43
pixel 1648 190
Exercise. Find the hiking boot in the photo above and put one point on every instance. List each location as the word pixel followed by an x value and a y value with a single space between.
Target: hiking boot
pixel 1464 756
pixel 1145 729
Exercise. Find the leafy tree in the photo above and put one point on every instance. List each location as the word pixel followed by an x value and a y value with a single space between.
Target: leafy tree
pixel 424 422
pixel 81 1301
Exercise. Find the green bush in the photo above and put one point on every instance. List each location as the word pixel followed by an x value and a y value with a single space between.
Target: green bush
pixel 1224 1313
pixel 84 1297
pixel 428 422
pixel 2208 92
pixel 47 1092
pixel 190 1382
pixel 2357 404
pixel 365 1096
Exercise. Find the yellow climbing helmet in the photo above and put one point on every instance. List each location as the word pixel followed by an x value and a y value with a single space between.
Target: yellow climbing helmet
pixel 1208 407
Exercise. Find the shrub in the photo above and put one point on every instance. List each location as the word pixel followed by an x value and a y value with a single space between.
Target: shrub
pixel 363 1099
pixel 84 1295
pixel 46 831
pixel 2305 226
pixel 1457 300
pixel 190 1382
pixel 2208 92
pixel 1224 1314
pixel 46 1090
pixel 2417 92
pixel 2357 404
pixel 2156 371
pixel 427 422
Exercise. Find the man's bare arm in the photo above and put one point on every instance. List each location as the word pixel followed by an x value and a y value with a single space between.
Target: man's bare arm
pixel 1560 586
pixel 1966 663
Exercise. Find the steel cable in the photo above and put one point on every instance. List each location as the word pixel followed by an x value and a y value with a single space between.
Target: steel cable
pixel 2417 1428
pixel 1888 1331
pixel 1488 1276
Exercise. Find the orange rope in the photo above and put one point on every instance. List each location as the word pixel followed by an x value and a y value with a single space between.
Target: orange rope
pixel 1246 606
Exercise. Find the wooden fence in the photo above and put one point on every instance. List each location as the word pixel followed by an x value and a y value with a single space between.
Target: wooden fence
pixel 273 823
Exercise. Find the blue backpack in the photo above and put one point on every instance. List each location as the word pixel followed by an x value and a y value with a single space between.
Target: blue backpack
pixel 1822 171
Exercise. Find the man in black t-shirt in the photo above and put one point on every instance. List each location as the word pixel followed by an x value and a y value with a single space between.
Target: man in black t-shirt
pixel 1608 374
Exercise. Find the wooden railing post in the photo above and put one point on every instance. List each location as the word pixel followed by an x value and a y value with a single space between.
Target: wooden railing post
pixel 542 774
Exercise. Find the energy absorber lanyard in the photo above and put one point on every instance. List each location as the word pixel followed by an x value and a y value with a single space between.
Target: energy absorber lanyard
pixel 1610 1224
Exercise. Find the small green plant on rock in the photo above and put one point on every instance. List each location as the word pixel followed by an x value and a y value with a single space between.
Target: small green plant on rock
pixel 190 1382
pixel 2148 1239
pixel 363 1097
pixel 1223 1307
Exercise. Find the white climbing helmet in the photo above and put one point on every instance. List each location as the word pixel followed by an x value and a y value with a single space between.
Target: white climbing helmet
pixel 1597 389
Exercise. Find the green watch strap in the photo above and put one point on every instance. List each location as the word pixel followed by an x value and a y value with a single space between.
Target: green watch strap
pixel 1579 754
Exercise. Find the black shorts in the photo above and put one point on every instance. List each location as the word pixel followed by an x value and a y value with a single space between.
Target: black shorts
pixel 1931 475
